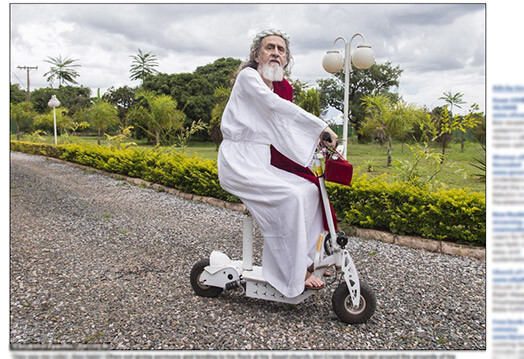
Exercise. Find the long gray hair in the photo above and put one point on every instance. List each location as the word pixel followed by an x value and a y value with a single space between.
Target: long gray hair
pixel 254 52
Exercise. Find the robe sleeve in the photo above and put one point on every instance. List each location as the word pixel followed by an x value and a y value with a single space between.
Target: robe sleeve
pixel 290 129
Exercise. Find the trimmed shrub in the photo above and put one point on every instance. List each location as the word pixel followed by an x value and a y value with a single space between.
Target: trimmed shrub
pixel 453 215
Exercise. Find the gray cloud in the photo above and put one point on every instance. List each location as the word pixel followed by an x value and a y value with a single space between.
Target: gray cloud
pixel 421 39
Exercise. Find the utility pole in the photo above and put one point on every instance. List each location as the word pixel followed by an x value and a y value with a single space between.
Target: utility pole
pixel 28 95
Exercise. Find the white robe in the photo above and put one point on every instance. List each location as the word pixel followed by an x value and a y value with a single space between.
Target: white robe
pixel 286 207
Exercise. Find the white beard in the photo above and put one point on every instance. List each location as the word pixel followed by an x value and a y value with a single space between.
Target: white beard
pixel 272 72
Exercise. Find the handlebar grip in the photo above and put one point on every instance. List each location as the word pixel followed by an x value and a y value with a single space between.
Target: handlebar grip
pixel 326 137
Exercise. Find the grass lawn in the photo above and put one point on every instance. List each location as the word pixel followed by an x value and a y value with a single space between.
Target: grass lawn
pixel 457 170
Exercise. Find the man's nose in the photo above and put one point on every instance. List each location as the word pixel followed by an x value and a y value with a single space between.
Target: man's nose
pixel 274 52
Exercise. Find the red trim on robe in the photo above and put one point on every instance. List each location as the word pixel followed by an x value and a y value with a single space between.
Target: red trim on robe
pixel 285 91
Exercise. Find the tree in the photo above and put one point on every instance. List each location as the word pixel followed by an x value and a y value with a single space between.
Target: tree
pixel 16 94
pixel 440 128
pixel 161 117
pixel 454 100
pixel 101 116
pixel 309 100
pixel 221 98
pixel 143 65
pixel 71 97
pixel 122 98
pixel 21 117
pixel 388 119
pixel 194 92
pixel 219 73
pixel 377 80
pixel 45 121
pixel 298 88
pixel 62 70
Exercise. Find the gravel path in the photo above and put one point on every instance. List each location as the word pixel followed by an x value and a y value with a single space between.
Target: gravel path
pixel 97 262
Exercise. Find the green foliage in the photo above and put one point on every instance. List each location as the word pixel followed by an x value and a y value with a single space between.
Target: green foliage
pixel 379 79
pixel 387 119
pixel 194 92
pixel 309 100
pixel 220 72
pixel 160 116
pixel 121 139
pixel 16 94
pixel 123 98
pixel 62 70
pixel 71 97
pixel 453 215
pixel 409 170
pixel 35 136
pixel 183 135
pixel 480 164
pixel 45 121
pixel 101 116
pixel 440 125
pixel 21 117
pixel 221 98
pixel 143 65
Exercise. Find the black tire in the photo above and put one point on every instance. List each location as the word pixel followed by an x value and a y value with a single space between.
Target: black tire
pixel 200 288
pixel 344 310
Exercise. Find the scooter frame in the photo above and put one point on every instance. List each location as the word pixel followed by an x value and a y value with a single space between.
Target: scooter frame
pixel 210 276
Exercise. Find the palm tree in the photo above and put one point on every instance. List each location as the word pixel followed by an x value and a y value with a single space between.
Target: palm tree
pixel 102 115
pixel 143 65
pixel 62 69
pixel 387 119
pixel 454 100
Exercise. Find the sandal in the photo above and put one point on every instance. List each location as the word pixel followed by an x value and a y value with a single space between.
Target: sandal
pixel 311 269
pixel 311 287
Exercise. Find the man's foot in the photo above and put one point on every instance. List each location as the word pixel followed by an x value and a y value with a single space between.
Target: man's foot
pixel 313 282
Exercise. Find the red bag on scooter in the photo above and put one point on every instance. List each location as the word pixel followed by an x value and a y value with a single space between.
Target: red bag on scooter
pixel 338 170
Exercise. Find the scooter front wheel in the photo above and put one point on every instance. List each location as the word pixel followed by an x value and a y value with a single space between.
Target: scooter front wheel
pixel 200 288
pixel 343 306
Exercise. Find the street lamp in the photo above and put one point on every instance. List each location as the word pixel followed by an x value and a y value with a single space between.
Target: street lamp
pixel 363 57
pixel 54 103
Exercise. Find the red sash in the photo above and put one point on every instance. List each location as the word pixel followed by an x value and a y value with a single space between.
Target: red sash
pixel 285 90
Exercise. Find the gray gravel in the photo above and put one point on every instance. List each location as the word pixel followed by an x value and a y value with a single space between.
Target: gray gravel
pixel 97 262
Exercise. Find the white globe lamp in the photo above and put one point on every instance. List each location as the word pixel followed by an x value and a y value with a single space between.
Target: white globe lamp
pixel 333 61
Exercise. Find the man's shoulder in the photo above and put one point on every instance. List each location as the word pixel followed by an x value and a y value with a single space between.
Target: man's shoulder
pixel 247 72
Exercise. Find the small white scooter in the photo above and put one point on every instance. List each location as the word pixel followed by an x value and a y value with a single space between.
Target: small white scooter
pixel 353 301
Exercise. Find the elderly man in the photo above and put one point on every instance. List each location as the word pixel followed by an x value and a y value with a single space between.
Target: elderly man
pixel 258 124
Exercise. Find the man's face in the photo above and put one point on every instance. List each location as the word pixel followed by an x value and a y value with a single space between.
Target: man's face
pixel 272 51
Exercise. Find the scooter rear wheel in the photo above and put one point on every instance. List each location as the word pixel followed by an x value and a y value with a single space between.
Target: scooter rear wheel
pixel 200 288
pixel 343 307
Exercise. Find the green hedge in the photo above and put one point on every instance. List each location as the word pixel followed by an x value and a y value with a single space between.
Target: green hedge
pixel 452 215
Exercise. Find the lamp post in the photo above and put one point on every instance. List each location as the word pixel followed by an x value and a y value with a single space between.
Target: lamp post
pixel 54 103
pixel 363 57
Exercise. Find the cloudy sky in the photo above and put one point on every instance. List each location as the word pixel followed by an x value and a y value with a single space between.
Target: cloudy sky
pixel 440 47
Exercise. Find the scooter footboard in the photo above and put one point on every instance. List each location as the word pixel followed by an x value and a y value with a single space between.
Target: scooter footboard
pixel 258 287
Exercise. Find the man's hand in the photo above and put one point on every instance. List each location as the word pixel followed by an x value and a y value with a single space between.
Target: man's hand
pixel 332 135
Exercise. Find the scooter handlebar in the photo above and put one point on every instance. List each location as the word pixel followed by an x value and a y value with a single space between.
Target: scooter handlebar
pixel 326 137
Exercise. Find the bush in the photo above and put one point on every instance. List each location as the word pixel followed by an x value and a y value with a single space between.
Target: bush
pixel 451 215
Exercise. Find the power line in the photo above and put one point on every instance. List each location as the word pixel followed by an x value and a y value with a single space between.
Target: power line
pixel 18 78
